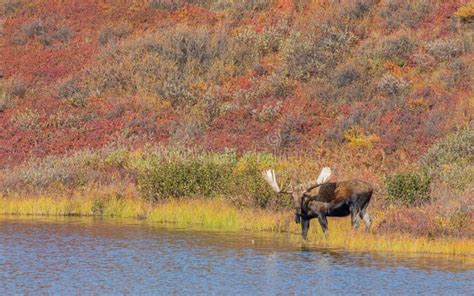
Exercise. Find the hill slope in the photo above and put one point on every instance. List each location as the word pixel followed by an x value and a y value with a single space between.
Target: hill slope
pixel 382 78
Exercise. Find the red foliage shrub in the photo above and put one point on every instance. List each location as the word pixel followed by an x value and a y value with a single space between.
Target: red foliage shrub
pixel 235 57
pixel 410 221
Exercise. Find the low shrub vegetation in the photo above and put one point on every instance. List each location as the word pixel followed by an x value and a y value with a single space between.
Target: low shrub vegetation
pixel 166 176
pixel 27 119
pixel 9 7
pixel 451 159
pixel 360 8
pixel 113 34
pixel 393 87
pixel 346 76
pixel 445 49
pixel 50 172
pixel 466 12
pixel 10 92
pixel 73 93
pixel 408 188
pixel 63 34
pixel 397 48
pixel 307 54
pixel 398 13
pixel 35 28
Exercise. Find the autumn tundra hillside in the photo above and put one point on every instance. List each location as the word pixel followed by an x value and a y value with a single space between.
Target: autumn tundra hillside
pixel 377 89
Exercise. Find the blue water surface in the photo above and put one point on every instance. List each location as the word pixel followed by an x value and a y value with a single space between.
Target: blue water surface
pixel 72 256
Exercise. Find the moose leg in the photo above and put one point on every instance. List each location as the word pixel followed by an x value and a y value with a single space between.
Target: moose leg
pixel 354 217
pixel 365 216
pixel 297 218
pixel 304 227
pixel 323 221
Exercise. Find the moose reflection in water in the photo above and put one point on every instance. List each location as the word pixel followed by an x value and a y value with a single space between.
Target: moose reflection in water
pixel 332 199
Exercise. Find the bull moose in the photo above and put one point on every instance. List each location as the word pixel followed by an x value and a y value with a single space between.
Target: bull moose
pixel 333 199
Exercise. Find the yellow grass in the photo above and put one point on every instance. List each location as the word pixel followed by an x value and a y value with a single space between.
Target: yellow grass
pixel 218 214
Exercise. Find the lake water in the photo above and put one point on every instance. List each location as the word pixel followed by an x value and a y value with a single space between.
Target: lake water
pixel 92 256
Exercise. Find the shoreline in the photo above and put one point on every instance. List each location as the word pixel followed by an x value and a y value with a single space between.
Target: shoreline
pixel 221 215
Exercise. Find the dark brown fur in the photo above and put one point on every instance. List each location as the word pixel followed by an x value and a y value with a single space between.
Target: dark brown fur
pixel 337 199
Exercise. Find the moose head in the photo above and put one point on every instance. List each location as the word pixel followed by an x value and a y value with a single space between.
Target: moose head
pixel 297 192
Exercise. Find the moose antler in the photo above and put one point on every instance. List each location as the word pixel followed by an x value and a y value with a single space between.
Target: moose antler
pixel 323 177
pixel 269 176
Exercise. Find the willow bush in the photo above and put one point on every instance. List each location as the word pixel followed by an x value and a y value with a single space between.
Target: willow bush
pixel 451 159
pixel 207 175
pixel 408 188
pixel 203 175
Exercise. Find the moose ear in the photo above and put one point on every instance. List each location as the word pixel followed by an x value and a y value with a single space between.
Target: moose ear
pixel 324 175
